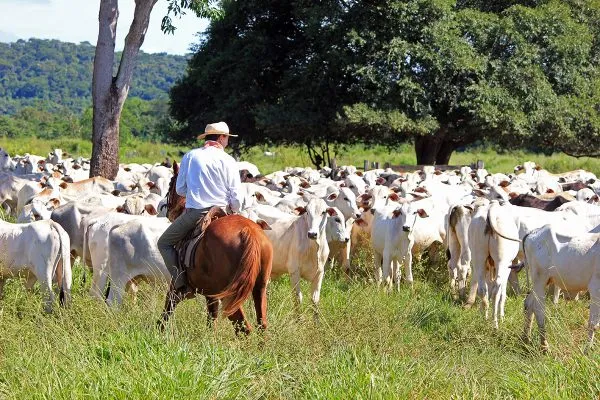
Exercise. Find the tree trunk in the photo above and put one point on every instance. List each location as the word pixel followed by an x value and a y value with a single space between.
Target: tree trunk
pixel 435 149
pixel 108 92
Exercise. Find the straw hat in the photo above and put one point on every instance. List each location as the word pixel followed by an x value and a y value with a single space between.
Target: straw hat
pixel 217 128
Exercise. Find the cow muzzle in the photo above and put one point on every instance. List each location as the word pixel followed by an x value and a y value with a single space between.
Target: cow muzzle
pixel 312 235
pixel 406 228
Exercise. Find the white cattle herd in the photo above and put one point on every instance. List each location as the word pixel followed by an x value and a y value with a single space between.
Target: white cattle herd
pixel 491 225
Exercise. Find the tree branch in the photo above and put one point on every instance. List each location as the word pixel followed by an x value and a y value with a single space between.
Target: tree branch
pixel 133 42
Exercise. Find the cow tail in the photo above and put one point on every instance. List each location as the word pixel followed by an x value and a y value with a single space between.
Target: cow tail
pixel 64 254
pixel 243 282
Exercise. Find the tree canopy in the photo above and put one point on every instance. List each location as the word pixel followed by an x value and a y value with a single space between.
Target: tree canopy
pixel 442 73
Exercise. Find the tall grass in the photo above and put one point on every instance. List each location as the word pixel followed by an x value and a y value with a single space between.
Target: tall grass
pixel 286 156
pixel 416 343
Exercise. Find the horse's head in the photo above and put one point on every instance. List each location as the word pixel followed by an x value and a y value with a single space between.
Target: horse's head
pixel 175 202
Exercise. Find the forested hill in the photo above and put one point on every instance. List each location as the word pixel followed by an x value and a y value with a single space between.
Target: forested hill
pixel 60 75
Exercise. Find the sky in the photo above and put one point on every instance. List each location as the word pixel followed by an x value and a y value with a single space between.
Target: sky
pixel 76 21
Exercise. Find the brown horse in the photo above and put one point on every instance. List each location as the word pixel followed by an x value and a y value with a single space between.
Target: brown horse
pixel 232 259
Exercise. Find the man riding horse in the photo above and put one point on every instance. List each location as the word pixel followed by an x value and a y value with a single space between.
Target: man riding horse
pixel 207 177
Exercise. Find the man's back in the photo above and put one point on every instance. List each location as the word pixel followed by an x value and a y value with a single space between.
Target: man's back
pixel 208 177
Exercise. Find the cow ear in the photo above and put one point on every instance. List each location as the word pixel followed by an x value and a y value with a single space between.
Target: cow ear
pixel 300 210
pixel 380 181
pixel 394 197
pixel 359 173
pixel 150 209
pixel 63 185
pixel 594 198
pixel 305 185
pixel 396 213
pixel 504 184
pixel 422 213
pixel 331 211
pixel 360 222
pixel 54 202
pixel 42 185
pixel 343 184
pixel 437 172
pixel 76 166
pixel 150 184
pixel 56 174
pixel 120 209
pixel 259 196
pixel 549 191
pixel 538 168
pixel 332 197
pixel 479 193
pixel 512 195
pixel 263 225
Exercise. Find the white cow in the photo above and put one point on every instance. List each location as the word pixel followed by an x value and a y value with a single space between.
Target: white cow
pixel 300 247
pixel 134 256
pixel 570 262
pixel 39 249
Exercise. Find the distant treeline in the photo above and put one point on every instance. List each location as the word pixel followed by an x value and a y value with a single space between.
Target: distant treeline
pixel 46 90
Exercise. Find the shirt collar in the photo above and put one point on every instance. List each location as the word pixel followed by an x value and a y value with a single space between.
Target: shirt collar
pixel 212 143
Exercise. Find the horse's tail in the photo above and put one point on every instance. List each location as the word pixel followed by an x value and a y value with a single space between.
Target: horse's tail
pixel 243 281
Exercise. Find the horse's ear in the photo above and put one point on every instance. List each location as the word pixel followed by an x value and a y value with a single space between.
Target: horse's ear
pixel 150 209
pixel 263 225
pixel 300 210
pixel 175 168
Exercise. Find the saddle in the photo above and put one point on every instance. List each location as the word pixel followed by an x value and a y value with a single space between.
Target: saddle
pixel 186 247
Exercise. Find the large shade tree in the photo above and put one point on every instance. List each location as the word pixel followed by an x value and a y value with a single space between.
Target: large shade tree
pixel 110 90
pixel 454 73
pixel 442 73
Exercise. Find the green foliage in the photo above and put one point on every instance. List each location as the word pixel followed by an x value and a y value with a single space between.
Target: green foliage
pixel 52 75
pixel 443 73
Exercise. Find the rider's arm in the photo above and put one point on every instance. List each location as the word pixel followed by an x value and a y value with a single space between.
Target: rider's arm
pixel 181 184
pixel 235 187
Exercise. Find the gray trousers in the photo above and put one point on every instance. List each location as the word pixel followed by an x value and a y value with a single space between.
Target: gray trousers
pixel 178 230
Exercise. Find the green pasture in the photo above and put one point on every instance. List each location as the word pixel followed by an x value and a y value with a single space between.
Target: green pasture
pixel 417 343
pixel 286 156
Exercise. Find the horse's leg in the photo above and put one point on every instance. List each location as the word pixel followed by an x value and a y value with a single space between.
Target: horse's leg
pixel 173 298
pixel 212 307
pixel 240 324
pixel 259 295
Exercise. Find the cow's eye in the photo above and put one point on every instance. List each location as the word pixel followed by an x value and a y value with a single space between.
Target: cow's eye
pixel 345 198
pixel 338 220
pixel 352 187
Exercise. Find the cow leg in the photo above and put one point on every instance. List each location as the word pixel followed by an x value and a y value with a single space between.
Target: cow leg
pixel 594 289
pixel 240 324
pixel 259 295
pixel 396 274
pixel 386 267
pixel 378 267
pixel 556 294
pixel 30 281
pixel 117 290
pixel 45 278
pixel 408 265
pixel 316 292
pixel 528 311
pixel 212 307
pixel 2 283
pixel 346 258
pixel 539 309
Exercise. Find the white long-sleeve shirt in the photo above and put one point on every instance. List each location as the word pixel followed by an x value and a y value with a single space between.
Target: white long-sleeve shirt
pixel 209 177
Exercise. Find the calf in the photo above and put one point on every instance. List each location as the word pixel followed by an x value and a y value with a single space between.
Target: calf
pixel 300 247
pixel 40 249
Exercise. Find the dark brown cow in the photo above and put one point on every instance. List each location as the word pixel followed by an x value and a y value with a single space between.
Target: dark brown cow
pixel 529 200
